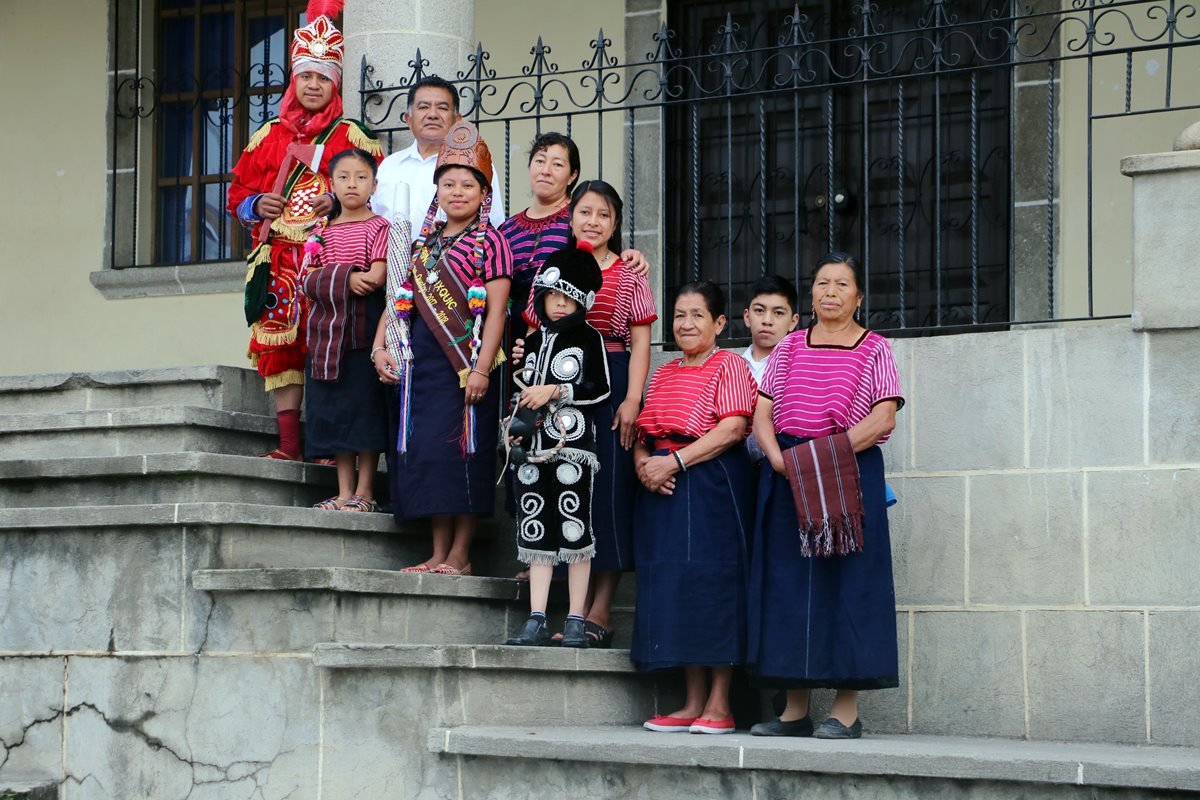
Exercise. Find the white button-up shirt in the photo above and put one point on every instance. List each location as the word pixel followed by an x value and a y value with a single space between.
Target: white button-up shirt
pixel 407 166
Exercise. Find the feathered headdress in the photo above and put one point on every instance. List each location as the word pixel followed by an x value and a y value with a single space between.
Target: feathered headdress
pixel 318 46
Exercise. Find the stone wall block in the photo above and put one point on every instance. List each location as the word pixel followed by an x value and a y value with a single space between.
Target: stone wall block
pixel 501 697
pixel 170 728
pixel 31 717
pixel 1085 397
pixel 1174 665
pixel 1026 538
pixel 1166 193
pixel 967 674
pixel 610 700
pixel 928 526
pixel 1174 384
pixel 453 18
pixel 967 402
pixel 369 720
pixel 273 622
pixel 433 620
pixel 897 450
pixel 1086 676
pixel 97 590
pixel 1144 537
pixel 1029 256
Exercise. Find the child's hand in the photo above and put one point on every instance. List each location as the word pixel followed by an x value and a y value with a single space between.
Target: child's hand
pixel 518 351
pixel 360 284
pixel 514 440
pixel 269 205
pixel 537 396
pixel 323 205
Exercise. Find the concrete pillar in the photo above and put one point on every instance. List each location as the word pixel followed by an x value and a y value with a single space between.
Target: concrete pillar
pixel 1166 239
pixel 389 32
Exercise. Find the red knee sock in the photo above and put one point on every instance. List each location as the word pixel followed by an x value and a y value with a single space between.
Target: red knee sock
pixel 289 432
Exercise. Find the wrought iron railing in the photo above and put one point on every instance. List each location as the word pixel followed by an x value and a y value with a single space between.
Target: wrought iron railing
pixel 952 145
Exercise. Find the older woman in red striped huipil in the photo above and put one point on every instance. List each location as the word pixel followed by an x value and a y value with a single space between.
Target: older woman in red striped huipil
pixel 692 521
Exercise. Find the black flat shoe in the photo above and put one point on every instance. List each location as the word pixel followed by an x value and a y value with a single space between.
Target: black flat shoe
pixel 832 728
pixel 777 727
pixel 534 634
pixel 574 634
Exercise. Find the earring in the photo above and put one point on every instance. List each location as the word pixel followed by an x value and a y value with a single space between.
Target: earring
pixel 857 314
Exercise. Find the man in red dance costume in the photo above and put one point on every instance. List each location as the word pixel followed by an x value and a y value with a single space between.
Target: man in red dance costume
pixel 280 190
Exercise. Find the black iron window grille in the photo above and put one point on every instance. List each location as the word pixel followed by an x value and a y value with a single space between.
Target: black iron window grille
pixel 220 70
pixel 925 135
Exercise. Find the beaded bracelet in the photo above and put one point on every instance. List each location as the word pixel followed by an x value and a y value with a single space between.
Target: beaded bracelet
pixel 373 352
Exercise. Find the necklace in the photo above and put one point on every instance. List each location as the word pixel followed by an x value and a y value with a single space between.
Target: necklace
pixel 683 361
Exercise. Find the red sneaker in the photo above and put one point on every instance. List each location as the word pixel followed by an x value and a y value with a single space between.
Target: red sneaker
pixel 664 724
pixel 701 725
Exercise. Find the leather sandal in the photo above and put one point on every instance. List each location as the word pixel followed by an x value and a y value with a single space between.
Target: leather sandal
pixel 598 636
pixel 279 455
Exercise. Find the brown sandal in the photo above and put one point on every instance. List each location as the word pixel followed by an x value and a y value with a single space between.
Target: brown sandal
pixel 279 455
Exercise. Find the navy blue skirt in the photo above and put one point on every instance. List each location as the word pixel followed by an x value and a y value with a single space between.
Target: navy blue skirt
pixel 821 622
pixel 348 415
pixel 691 556
pixel 434 478
pixel 616 483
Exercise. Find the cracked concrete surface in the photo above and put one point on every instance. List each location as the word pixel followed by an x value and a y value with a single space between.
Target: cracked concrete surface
pixel 168 728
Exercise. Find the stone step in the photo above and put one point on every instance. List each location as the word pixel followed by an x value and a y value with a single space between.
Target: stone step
pixel 225 388
pixel 135 431
pixel 380 702
pixel 223 535
pixel 94 580
pixel 290 610
pixel 162 478
pixel 514 761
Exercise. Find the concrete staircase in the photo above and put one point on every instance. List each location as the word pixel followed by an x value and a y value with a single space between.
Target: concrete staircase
pixel 175 622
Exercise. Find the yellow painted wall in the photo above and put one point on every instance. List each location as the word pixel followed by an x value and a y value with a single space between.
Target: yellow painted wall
pixel 1112 140
pixel 51 317
pixel 509 30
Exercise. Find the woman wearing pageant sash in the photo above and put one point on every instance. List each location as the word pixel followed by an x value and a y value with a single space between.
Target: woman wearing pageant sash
pixel 822 605
pixel 452 304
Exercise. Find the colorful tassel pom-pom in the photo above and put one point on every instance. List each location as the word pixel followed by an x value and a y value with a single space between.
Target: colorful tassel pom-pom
pixel 313 245
pixel 403 304
pixel 584 245
pixel 477 297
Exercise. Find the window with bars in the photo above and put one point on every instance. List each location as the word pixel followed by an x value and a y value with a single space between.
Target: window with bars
pixel 221 70
pixel 840 132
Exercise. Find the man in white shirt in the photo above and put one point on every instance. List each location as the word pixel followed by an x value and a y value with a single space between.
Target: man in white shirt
pixel 432 110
